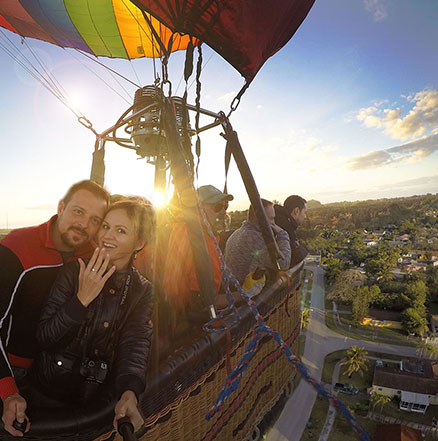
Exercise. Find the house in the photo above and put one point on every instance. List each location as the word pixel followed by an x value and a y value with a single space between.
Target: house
pixel 415 383
pixel 434 324
pixel 397 432
pixel 404 238
pixel 372 243
pixel 313 258
pixel 416 266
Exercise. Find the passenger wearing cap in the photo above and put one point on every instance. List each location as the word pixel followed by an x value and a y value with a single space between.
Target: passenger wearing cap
pixel 180 283
pixel 215 205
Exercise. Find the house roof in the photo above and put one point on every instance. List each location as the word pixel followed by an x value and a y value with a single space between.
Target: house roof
pixel 413 397
pixel 407 381
pixel 397 432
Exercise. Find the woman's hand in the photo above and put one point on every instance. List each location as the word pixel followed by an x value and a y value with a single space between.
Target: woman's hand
pixel 127 406
pixel 92 277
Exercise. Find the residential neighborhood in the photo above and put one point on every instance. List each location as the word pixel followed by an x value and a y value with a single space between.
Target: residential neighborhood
pixel 371 292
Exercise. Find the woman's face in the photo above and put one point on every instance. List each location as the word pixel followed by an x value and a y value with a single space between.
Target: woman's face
pixel 117 237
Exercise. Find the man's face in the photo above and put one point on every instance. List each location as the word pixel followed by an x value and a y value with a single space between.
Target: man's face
pixel 299 214
pixel 79 220
pixel 216 214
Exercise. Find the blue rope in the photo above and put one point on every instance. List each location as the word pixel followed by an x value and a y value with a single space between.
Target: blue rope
pixel 233 379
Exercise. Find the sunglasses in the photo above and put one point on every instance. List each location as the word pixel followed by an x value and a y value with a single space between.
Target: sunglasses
pixel 220 206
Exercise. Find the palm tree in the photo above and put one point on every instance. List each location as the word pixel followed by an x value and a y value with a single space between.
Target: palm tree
pixel 431 350
pixel 379 399
pixel 356 361
pixel 427 349
pixel 421 347
pixel 305 318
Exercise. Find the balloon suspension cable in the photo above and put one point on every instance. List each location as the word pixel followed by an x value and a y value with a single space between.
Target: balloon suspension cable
pixel 101 79
pixel 233 379
pixel 163 50
pixel 236 101
pixel 95 60
pixel 44 77
pixel 151 39
pixel 135 72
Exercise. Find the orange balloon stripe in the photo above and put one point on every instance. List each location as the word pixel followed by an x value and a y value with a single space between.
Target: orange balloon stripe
pixel 136 35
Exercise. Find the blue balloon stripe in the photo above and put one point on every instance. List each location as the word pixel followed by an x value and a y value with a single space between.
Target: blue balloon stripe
pixel 53 17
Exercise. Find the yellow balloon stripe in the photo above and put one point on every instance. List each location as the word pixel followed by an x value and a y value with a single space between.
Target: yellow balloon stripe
pixel 136 35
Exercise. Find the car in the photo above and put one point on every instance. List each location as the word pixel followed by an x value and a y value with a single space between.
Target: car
pixel 339 386
pixel 349 389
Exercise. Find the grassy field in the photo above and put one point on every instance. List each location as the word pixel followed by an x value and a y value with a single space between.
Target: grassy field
pixel 370 333
pixel 317 418
pixel 342 430
pixel 306 289
pixel 301 343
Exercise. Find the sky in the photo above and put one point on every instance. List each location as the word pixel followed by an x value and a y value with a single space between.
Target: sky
pixel 347 110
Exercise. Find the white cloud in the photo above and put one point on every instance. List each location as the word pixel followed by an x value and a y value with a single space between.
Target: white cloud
pixel 423 116
pixel 377 8
pixel 411 152
pixel 227 97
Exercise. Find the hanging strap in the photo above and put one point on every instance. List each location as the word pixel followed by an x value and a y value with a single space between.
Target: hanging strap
pixel 227 164
pixel 220 324
pixel 98 164
pixel 198 106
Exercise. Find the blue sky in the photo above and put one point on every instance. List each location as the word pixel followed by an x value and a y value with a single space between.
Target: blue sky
pixel 347 110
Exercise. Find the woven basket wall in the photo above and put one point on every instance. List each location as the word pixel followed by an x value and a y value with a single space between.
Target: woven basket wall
pixel 267 375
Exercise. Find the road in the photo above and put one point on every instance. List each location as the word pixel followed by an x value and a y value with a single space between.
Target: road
pixel 320 341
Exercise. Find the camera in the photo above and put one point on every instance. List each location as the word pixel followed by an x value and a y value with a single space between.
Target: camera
pixel 94 373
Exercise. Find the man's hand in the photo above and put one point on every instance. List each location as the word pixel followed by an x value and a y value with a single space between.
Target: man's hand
pixel 127 406
pixel 14 408
pixel 275 228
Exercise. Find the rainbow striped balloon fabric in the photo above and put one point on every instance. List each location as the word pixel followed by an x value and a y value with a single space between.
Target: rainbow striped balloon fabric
pixel 110 28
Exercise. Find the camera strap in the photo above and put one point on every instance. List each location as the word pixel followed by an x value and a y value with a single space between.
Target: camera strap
pixel 92 321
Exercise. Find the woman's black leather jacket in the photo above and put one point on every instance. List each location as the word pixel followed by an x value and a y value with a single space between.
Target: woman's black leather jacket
pixel 115 329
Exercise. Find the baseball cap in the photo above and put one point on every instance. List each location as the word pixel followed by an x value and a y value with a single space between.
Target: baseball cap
pixel 211 195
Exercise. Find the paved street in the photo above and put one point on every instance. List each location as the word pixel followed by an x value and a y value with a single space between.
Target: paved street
pixel 320 341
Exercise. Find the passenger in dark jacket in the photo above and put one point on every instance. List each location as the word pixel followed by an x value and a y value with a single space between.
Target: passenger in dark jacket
pixel 289 217
pixel 95 330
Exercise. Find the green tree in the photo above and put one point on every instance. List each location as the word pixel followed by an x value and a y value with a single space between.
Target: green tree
pixel 417 292
pixel 333 268
pixel 355 361
pixel 358 248
pixel 379 400
pixel 364 295
pixel 407 227
pixel 345 284
pixel 432 281
pixel 414 321
pixel 378 269
pixel 381 262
